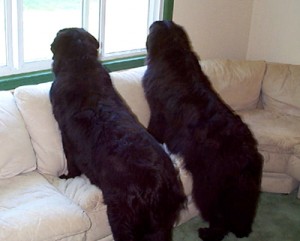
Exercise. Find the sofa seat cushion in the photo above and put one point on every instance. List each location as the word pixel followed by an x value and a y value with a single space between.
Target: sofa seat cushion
pixel 274 132
pixel 16 152
pixel 277 136
pixel 281 89
pixel 237 82
pixel 90 199
pixel 33 209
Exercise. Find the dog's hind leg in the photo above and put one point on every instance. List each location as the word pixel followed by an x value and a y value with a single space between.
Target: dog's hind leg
pixel 241 210
pixel 120 223
pixel 126 220
pixel 217 229
pixel 207 200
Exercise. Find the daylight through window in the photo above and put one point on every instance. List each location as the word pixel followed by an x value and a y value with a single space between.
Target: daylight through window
pixel 2 35
pixel 28 27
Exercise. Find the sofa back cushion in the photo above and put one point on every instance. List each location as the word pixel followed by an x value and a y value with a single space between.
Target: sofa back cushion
pixel 16 152
pixel 281 88
pixel 129 84
pixel 237 82
pixel 34 104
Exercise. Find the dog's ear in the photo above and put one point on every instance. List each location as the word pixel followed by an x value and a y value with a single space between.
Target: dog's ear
pixel 181 38
pixel 166 35
pixel 83 39
pixel 93 41
pixel 60 41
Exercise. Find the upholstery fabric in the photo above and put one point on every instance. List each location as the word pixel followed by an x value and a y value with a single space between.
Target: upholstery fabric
pixel 80 190
pixel 237 82
pixel 44 207
pixel 33 209
pixel 281 88
pixel 90 199
pixel 277 135
pixel 275 132
pixel 34 104
pixel 128 84
pixel 16 152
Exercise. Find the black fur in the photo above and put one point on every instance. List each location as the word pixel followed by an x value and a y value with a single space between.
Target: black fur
pixel 218 148
pixel 104 140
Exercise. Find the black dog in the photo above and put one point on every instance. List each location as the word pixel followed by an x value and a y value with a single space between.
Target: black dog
pixel 104 140
pixel 218 148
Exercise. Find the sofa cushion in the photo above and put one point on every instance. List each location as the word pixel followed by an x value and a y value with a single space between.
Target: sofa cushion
pixel 90 199
pixel 128 83
pixel 34 104
pixel 274 132
pixel 277 136
pixel 237 82
pixel 16 152
pixel 281 89
pixel 80 190
pixel 32 209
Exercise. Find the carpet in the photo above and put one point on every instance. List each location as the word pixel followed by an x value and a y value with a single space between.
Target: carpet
pixel 277 219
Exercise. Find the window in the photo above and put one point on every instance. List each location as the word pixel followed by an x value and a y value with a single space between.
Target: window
pixel 2 35
pixel 41 21
pixel 129 32
pixel 28 27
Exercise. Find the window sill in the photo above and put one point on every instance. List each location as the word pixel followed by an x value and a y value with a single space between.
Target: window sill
pixel 13 81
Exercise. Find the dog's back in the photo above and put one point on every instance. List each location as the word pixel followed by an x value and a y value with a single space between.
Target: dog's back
pixel 103 139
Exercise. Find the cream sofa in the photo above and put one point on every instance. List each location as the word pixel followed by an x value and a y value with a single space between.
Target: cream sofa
pixel 267 97
pixel 36 205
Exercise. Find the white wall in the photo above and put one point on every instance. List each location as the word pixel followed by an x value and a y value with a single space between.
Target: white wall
pixel 217 28
pixel 242 29
pixel 275 31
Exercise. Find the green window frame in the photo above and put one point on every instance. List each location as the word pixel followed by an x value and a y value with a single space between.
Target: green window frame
pixel 12 81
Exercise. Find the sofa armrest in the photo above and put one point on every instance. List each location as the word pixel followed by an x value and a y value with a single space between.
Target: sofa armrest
pixel 80 191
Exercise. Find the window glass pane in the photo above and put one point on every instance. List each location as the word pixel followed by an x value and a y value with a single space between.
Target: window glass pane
pixel 92 17
pixel 42 19
pixel 126 25
pixel 2 35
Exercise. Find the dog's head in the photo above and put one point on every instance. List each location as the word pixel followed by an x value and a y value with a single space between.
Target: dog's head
pixel 166 35
pixel 73 43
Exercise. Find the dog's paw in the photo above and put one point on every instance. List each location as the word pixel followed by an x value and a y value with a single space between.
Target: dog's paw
pixel 211 234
